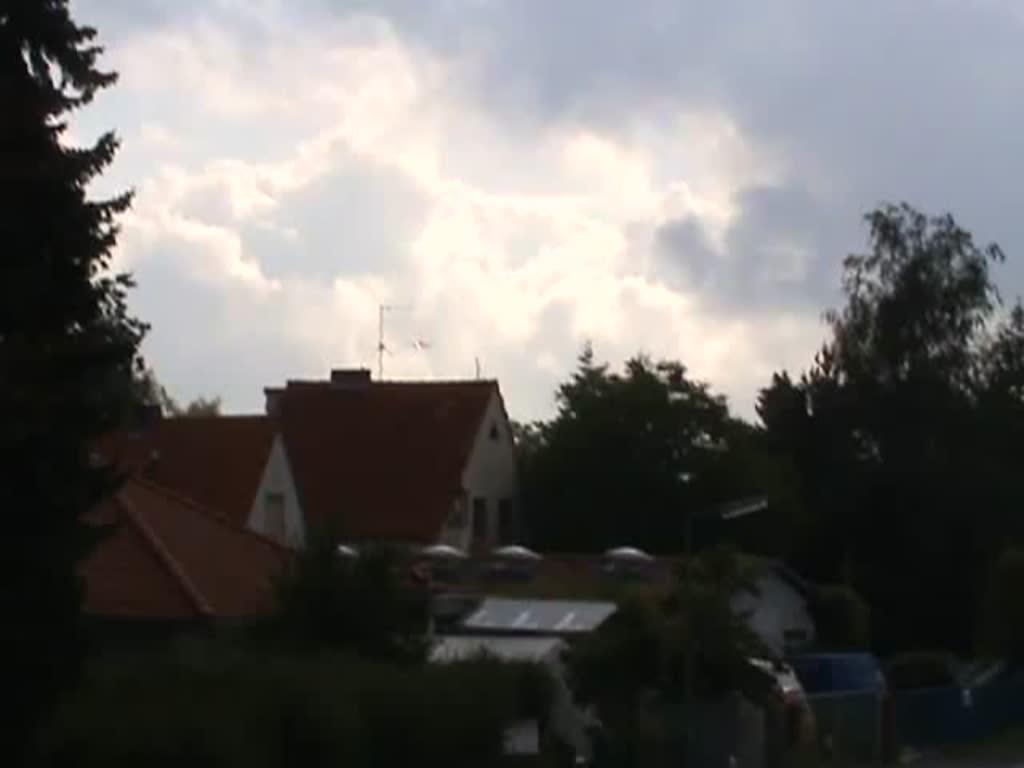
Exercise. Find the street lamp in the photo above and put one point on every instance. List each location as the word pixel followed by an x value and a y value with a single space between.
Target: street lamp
pixel 731 510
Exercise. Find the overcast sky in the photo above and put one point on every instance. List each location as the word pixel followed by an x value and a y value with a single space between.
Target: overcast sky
pixel 679 178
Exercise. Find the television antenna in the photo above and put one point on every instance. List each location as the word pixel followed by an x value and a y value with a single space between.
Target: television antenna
pixel 416 344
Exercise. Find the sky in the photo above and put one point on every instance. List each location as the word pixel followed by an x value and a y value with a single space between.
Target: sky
pixel 514 179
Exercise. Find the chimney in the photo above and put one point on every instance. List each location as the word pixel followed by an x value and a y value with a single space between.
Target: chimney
pixel 272 399
pixel 350 378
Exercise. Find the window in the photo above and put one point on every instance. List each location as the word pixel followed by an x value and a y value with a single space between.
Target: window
pixel 273 511
pixel 479 519
pixel 494 433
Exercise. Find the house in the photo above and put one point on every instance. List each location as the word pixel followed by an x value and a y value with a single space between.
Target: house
pixel 416 462
pixel 777 609
pixel 163 558
pixel 775 605
pixel 216 462
pixel 419 462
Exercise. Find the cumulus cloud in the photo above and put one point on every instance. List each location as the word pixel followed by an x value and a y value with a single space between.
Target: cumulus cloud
pixel 513 178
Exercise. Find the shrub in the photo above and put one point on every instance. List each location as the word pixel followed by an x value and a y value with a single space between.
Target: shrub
pixel 634 668
pixel 216 707
pixel 1001 631
pixel 841 617
pixel 359 604
pixel 921 669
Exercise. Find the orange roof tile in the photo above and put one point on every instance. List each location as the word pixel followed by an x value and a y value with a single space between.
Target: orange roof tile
pixel 384 460
pixel 169 558
pixel 216 461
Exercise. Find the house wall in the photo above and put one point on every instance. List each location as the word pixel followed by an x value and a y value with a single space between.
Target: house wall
pixel 491 474
pixel 456 531
pixel 779 607
pixel 277 479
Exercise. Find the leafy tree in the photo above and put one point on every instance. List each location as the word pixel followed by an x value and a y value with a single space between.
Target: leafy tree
pixel 999 423
pixel 629 455
pixel 151 392
pixel 67 343
pixel 201 406
pixel 634 669
pixel 1002 624
pixel 841 618
pixel 360 603
pixel 895 428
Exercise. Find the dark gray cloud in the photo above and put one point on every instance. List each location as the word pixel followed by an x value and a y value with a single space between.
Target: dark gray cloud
pixel 853 104
pixel 783 250
pixel 354 220
pixel 869 102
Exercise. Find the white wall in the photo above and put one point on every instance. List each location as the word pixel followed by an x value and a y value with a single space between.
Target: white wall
pixel 277 478
pixel 778 607
pixel 491 473
pixel 456 532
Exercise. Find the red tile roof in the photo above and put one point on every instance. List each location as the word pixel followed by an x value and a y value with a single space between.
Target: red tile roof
pixel 216 461
pixel 168 558
pixel 384 460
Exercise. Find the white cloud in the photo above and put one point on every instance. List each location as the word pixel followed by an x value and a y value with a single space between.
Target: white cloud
pixel 525 239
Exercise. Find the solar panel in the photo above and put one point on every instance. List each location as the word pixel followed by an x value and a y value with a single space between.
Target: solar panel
pixel 555 616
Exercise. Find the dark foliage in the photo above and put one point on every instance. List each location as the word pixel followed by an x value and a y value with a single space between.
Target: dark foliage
pixel 211 706
pixel 634 669
pixel 365 604
pixel 921 669
pixel 906 430
pixel 67 343
pixel 630 455
pixel 149 391
pixel 841 618
pixel 1002 624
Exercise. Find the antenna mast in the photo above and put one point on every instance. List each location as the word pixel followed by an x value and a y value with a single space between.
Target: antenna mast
pixel 380 340
pixel 382 347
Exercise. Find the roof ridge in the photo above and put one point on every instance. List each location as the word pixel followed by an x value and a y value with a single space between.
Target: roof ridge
pixel 214 515
pixel 168 560
pixel 436 382
pixel 218 417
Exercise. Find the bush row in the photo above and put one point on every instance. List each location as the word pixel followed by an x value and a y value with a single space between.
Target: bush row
pixel 203 706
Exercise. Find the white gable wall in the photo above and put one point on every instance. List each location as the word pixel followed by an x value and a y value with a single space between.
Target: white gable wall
pixel 491 474
pixel 277 479
pixel 777 609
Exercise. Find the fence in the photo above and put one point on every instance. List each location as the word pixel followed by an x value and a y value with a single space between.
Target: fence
pixel 725 730
pixel 850 725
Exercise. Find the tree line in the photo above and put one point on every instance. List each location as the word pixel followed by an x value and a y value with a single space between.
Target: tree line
pixel 891 463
